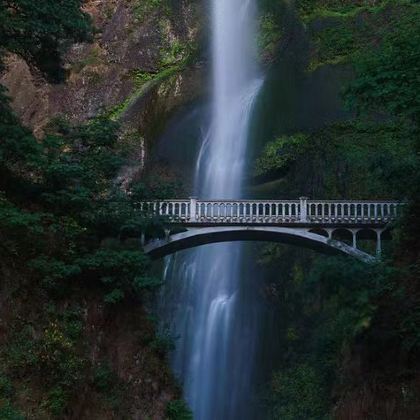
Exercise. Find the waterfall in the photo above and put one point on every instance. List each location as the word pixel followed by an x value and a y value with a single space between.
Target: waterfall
pixel 203 301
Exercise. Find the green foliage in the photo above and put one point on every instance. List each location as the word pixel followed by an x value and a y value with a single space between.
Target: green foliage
pixel 123 272
pixel 178 410
pixel 269 35
pixel 143 8
pixel 78 206
pixel 336 44
pixel 313 9
pixel 65 224
pixel 7 412
pixel 106 382
pixel 75 230
pixel 277 155
pixel 164 342
pixel 299 394
pixel 175 53
pixel 387 77
pixel 20 153
pixel 325 305
pixel 56 401
pixel 103 377
pixel 53 357
pixel 343 35
pixel 144 81
pixel 6 387
pixel 41 31
pixel 365 160
pixel 141 77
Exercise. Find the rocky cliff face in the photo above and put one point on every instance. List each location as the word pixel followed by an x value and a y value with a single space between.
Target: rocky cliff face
pixel 144 62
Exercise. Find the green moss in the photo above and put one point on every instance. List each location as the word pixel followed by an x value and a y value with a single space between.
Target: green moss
pixel 336 45
pixel 143 83
pixel 174 53
pixel 310 10
pixel 141 77
pixel 279 153
pixel 345 34
pixel 173 50
pixel 365 160
pixel 270 35
pixel 143 8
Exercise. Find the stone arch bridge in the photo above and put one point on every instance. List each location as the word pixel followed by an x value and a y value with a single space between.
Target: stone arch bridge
pixel 332 227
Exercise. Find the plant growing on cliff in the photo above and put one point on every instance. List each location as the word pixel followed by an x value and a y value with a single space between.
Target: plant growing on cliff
pixel 387 78
pixel 299 394
pixel 178 410
pixel 269 36
pixel 41 31
pixel 349 29
pixel 143 8
pixel 280 153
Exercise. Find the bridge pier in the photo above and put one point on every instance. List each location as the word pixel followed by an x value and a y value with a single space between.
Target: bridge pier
pixel 354 234
pixel 378 243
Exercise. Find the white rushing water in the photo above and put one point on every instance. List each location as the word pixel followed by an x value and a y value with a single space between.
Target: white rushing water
pixel 203 302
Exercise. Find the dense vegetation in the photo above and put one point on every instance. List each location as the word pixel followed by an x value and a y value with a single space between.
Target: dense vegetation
pixel 41 31
pixel 67 229
pixel 352 330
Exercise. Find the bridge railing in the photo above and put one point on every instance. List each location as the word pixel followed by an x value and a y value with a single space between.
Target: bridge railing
pixel 352 211
pixel 173 210
pixel 274 211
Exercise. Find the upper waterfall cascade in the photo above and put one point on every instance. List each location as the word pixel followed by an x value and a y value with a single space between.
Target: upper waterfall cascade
pixel 206 312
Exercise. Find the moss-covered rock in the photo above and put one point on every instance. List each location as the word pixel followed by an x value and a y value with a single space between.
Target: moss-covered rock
pixel 340 32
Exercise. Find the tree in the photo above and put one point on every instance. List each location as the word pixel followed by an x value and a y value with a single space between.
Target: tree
pixel 40 31
pixel 388 77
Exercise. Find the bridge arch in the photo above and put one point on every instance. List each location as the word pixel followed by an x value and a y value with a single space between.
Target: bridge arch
pixel 194 237
pixel 320 231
